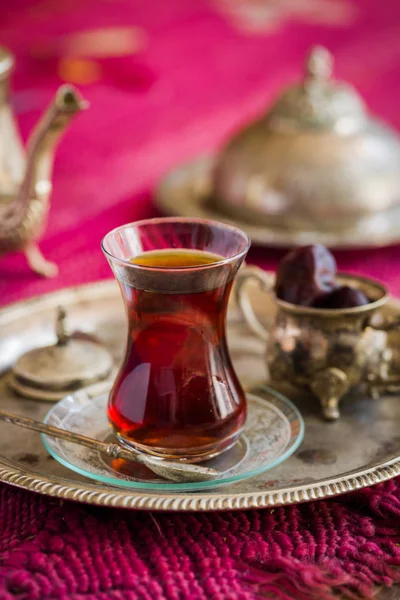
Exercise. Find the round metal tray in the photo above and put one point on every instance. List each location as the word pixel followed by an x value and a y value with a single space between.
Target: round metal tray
pixel 361 449
pixel 185 192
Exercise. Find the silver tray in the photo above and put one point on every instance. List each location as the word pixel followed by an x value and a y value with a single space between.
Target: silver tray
pixel 361 449
pixel 185 192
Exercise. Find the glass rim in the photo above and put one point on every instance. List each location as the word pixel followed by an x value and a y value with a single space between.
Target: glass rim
pixel 189 220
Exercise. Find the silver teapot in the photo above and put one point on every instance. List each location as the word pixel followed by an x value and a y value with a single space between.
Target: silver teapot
pixel 317 160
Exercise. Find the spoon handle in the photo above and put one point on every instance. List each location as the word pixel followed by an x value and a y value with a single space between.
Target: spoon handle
pixel 170 470
pixel 113 450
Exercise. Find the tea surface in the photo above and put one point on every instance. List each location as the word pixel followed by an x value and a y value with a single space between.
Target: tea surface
pixel 175 258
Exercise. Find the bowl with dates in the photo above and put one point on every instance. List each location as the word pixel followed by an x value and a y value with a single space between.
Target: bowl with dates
pixel 328 335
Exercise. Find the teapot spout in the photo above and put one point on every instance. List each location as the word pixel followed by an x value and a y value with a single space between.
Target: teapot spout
pixel 24 221
pixel 43 141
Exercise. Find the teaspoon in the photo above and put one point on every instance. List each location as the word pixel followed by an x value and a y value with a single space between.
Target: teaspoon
pixel 175 471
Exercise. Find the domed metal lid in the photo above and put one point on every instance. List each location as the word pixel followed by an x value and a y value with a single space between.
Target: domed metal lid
pixel 319 101
pixel 52 372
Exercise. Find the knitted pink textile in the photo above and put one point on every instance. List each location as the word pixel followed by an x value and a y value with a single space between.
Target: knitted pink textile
pixel 201 68
pixel 307 552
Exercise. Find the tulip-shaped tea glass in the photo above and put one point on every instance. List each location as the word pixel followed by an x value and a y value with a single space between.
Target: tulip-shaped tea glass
pixel 176 395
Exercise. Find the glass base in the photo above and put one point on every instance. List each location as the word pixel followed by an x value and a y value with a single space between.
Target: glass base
pixel 187 455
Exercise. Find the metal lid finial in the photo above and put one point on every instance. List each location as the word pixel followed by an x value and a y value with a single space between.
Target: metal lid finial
pixel 61 330
pixel 6 62
pixel 318 101
pixel 319 64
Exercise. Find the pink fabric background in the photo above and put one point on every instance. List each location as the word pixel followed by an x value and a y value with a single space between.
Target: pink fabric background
pixel 207 66
pixel 201 73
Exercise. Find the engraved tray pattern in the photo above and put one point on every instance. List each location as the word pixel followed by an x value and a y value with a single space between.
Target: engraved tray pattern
pixel 361 449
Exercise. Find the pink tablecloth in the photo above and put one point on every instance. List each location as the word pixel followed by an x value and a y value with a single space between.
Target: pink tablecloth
pixel 201 68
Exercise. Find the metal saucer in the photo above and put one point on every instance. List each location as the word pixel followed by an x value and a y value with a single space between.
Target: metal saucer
pixel 186 191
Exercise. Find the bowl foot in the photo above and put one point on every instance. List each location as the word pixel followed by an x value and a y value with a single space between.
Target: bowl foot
pixel 329 385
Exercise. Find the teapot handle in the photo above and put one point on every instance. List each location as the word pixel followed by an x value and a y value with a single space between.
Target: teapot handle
pixel 266 282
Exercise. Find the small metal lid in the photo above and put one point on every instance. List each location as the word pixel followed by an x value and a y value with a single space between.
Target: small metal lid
pixel 51 372
pixel 319 101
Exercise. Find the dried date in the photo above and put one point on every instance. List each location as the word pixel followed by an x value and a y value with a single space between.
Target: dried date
pixel 305 275
pixel 342 297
